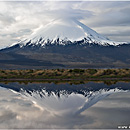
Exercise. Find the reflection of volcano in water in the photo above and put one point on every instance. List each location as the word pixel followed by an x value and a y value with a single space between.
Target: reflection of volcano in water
pixel 66 99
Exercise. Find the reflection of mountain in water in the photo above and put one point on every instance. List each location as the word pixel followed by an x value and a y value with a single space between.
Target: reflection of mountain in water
pixel 70 101
pixel 66 99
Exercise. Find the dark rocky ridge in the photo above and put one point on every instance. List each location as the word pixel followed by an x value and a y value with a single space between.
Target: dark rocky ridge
pixel 71 55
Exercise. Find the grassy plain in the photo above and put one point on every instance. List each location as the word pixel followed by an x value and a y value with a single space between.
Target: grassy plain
pixel 65 74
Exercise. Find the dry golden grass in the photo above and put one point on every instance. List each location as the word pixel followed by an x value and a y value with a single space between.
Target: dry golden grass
pixel 65 73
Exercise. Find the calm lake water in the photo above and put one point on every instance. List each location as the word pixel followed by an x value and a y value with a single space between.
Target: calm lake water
pixel 51 106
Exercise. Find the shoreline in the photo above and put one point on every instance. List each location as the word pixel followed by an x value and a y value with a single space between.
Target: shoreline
pixel 87 79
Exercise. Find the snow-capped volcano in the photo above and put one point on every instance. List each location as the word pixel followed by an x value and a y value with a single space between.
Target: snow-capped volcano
pixel 64 31
pixel 65 43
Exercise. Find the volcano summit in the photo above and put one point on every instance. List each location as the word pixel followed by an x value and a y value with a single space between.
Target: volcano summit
pixel 64 31
pixel 65 43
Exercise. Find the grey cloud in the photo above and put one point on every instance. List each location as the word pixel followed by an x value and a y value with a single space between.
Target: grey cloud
pixel 21 32
pixel 7 116
pixel 120 36
pixel 110 118
pixel 119 33
pixel 76 14
pixel 110 19
pixel 109 15
pixel 5 19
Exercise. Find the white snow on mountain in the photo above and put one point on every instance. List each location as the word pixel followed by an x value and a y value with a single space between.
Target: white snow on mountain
pixel 63 30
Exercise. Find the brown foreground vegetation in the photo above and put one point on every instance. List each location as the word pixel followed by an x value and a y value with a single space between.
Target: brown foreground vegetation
pixel 65 74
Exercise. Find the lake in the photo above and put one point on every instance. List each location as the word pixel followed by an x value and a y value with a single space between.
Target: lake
pixel 65 106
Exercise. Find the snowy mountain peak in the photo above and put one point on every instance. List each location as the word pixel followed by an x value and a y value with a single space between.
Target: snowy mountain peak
pixel 63 30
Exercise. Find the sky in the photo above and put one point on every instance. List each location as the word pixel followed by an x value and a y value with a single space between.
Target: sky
pixel 20 19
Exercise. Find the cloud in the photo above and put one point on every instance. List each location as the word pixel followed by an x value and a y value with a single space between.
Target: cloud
pixel 19 19
pixel 110 19
pixel 117 33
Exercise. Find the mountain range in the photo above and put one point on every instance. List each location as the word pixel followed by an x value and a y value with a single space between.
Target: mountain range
pixel 65 43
